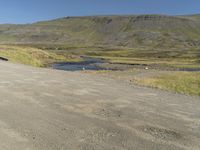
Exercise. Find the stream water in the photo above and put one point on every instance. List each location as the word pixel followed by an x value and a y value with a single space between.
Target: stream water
pixel 101 64
pixel 86 64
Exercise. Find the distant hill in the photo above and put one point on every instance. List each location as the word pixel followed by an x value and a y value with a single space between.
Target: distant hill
pixel 154 31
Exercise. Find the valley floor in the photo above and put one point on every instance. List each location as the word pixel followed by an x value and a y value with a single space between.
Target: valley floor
pixel 50 110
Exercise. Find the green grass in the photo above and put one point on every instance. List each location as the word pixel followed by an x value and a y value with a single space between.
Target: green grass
pixel 180 82
pixel 174 58
pixel 169 58
pixel 30 56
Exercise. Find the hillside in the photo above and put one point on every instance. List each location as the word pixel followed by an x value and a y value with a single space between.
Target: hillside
pixel 142 39
pixel 155 31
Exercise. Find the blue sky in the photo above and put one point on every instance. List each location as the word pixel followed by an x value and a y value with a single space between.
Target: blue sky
pixel 28 11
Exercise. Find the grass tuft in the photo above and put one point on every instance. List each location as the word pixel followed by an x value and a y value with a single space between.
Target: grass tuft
pixel 180 82
pixel 29 56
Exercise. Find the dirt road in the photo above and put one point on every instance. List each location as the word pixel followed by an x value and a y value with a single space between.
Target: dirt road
pixel 43 109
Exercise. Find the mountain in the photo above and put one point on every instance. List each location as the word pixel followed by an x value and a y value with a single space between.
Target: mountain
pixel 147 31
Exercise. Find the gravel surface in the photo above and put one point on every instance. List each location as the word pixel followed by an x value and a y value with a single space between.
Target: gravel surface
pixel 43 109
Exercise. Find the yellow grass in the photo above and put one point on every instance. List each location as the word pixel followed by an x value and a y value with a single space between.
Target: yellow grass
pixel 29 56
pixel 181 82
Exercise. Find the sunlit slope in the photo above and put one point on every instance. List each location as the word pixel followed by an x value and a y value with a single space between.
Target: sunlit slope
pixel 29 56
pixel 152 31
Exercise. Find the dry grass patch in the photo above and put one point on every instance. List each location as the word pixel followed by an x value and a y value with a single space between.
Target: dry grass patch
pixel 30 56
pixel 180 82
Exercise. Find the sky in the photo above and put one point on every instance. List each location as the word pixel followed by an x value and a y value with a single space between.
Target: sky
pixel 29 11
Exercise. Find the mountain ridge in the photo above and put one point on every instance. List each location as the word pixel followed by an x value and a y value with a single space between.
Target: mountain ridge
pixel 154 30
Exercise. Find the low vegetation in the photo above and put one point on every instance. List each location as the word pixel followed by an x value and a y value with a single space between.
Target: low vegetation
pixel 180 82
pixel 30 56
pixel 177 58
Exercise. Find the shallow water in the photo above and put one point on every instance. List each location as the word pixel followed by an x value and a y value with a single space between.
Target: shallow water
pixel 75 66
pixel 87 64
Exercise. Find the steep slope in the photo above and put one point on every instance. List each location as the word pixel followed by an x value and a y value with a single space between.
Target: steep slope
pixel 155 31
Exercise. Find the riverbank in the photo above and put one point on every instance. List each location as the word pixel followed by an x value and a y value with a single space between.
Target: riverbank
pixel 40 58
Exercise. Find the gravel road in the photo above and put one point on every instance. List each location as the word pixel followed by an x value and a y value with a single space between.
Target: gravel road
pixel 43 109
